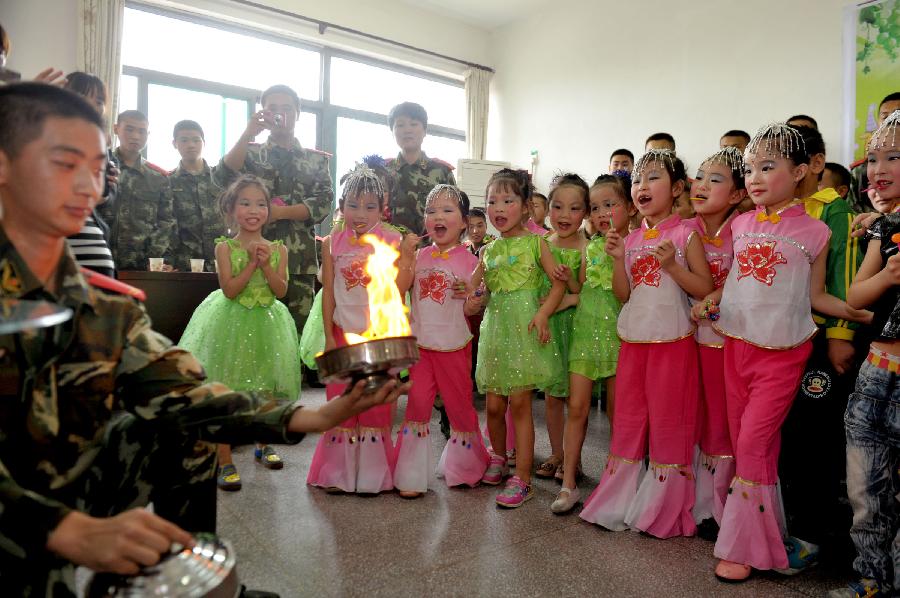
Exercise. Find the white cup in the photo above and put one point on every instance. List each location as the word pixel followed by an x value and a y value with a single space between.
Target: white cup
pixel 196 265
pixel 156 264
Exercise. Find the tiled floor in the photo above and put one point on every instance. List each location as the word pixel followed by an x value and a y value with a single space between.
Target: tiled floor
pixel 299 541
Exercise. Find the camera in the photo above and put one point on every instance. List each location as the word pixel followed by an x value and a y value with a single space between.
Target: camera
pixel 278 119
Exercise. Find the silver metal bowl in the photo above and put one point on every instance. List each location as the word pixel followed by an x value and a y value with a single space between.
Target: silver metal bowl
pixel 207 569
pixel 375 361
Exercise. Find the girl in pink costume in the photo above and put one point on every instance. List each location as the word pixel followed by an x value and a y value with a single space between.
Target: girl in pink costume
pixel 439 308
pixel 777 280
pixel 358 455
pixel 655 268
pixel 717 190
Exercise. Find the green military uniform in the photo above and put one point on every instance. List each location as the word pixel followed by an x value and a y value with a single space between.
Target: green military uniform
pixel 101 414
pixel 296 176
pixel 140 219
pixel 859 182
pixel 413 184
pixel 195 203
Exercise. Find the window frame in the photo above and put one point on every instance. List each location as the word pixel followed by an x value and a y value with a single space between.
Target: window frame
pixel 327 114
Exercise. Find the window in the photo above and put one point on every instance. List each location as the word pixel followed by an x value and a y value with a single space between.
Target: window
pixel 218 86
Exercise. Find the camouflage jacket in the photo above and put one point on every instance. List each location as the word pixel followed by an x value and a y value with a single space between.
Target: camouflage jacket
pixel 195 203
pixel 297 175
pixel 413 183
pixel 59 387
pixel 140 219
pixel 858 198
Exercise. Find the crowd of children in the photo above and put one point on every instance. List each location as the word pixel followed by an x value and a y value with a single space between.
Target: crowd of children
pixel 707 310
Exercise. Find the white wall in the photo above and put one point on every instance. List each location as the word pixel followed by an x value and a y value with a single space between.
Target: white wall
pixel 42 33
pixel 581 78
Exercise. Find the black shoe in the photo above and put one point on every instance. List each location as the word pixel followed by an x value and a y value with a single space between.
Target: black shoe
pixel 245 593
pixel 445 423
pixel 708 530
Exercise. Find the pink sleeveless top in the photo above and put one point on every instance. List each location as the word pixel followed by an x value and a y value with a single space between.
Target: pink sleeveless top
pixel 349 255
pixel 658 310
pixel 719 256
pixel 438 321
pixel 766 297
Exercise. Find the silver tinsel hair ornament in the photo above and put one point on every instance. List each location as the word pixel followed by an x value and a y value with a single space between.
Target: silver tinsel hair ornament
pixel 444 188
pixel 879 139
pixel 730 157
pixel 360 180
pixel 777 138
pixel 654 156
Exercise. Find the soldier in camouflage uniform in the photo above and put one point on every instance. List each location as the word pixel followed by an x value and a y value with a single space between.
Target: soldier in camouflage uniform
pixel 299 181
pixel 195 200
pixel 415 173
pixel 100 414
pixel 141 219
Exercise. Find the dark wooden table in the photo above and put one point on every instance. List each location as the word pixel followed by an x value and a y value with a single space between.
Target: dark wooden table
pixel 172 296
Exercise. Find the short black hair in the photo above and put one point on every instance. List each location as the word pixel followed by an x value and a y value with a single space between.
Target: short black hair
pixel 86 85
pixel 133 115
pixel 737 133
pixel 409 110
pixel 187 125
pixel 622 152
pixel 842 174
pixel 804 117
pixel 891 97
pixel 24 107
pixel 812 139
pixel 280 89
pixel 477 213
pixel 661 136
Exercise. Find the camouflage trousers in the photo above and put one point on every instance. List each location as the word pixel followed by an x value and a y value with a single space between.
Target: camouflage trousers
pixel 299 299
pixel 139 463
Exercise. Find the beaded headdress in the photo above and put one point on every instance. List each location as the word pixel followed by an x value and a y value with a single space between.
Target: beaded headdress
pixel 777 138
pixel 730 157
pixel 654 156
pixel 888 128
pixel 362 179
pixel 444 188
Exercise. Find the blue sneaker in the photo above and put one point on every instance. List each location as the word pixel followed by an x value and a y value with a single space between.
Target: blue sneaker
pixel 864 588
pixel 801 556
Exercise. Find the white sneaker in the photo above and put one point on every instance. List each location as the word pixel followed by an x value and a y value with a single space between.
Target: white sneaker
pixel 566 500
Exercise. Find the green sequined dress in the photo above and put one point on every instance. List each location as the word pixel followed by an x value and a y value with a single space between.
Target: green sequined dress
pixel 594 349
pixel 510 358
pixel 561 327
pixel 249 342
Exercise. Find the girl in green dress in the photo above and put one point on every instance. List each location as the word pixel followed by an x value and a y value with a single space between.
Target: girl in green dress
pixel 594 346
pixel 513 355
pixel 243 336
pixel 568 205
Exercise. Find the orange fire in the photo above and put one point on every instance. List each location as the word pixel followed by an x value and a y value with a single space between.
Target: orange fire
pixel 387 312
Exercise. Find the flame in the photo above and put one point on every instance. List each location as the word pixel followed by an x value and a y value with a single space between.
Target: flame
pixel 387 312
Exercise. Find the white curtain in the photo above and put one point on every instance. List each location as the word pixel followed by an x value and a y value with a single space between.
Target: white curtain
pixel 478 83
pixel 100 44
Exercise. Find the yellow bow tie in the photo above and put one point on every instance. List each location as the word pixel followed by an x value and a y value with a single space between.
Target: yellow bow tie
pixel 651 233
pixel 441 254
pixel 761 216
pixel 357 241
pixel 714 241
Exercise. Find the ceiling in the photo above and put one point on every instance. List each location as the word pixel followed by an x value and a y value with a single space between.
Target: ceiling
pixel 486 14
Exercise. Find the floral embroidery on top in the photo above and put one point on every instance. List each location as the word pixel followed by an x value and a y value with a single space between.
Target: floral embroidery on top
pixel 759 260
pixel 435 286
pixel 719 274
pixel 355 274
pixel 645 270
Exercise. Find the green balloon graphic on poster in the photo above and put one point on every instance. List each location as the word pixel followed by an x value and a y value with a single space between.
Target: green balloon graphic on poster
pixel 877 67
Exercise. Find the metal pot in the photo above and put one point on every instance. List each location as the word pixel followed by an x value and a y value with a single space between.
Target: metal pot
pixel 375 361
pixel 207 569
